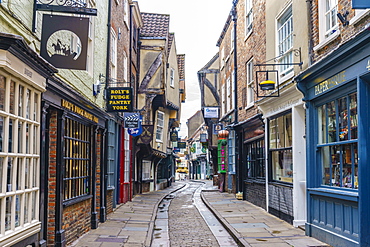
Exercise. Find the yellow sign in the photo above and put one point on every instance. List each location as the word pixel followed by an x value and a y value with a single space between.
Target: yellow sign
pixel 68 105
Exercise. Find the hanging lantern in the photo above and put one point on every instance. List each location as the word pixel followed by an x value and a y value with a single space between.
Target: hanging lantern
pixel 267 85
pixel 223 134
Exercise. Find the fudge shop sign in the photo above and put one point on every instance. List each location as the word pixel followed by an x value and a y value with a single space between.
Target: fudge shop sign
pixel 119 99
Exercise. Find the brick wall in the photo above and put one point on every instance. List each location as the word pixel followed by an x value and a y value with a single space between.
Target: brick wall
pixel 346 32
pixel 109 201
pixel 281 202
pixel 77 220
pixel 77 217
pixel 255 193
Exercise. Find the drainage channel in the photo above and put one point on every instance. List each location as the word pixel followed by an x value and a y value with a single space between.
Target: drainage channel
pixel 161 229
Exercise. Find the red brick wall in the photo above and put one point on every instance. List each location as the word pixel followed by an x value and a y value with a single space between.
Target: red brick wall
pixel 109 201
pixel 346 32
pixel 77 217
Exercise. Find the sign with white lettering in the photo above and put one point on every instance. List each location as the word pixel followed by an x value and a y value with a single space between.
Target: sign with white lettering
pixel 119 99
pixel 132 120
pixel 210 112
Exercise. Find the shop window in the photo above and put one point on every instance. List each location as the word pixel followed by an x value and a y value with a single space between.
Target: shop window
pixel 111 156
pixel 146 170
pixel 280 148
pixel 19 160
pixel 127 158
pixel 77 159
pixel 160 126
pixel 337 142
pixel 231 152
pixel 285 42
pixel 255 159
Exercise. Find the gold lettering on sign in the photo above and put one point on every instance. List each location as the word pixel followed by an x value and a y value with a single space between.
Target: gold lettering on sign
pixel 330 83
pixel 79 111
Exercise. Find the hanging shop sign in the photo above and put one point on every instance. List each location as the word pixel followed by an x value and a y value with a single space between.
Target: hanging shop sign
pixel 174 136
pixel 210 112
pixel 146 136
pixel 181 144
pixel 72 107
pixel 217 127
pixel 135 131
pixel 132 120
pixel 119 99
pixel 64 41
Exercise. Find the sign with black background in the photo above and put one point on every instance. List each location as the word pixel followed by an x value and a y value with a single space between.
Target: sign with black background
pixel 119 99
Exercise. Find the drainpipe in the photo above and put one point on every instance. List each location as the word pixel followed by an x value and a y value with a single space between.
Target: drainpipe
pixel 234 18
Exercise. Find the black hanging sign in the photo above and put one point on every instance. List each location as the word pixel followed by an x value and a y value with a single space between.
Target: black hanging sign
pixel 119 99
pixel 174 136
pixel 64 41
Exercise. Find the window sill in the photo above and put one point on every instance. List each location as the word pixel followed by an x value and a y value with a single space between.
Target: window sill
pixel 327 41
pixel 76 200
pixel 335 193
pixel 248 35
pixel 358 18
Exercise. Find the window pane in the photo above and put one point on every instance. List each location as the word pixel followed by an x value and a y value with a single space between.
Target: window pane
pixel 1 174
pixel 20 101
pixel 10 174
pixel 10 132
pixel 8 214
pixel 273 133
pixel 2 93
pixel 12 98
pixel 322 124
pixel 280 135
pixel 1 133
pixel 332 126
pixel 288 130
pixel 282 165
pixel 26 207
pixel 17 210
pixel 326 161
pixel 343 119
pixel 353 110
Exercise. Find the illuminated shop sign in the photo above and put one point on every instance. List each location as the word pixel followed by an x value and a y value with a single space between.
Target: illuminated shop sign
pixel 119 99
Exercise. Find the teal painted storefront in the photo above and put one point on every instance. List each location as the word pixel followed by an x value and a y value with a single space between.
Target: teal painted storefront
pixel 337 94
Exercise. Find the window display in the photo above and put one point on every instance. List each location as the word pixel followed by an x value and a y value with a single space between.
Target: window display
pixel 338 142
pixel 281 148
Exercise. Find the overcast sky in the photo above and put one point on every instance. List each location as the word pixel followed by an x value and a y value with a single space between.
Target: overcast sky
pixel 197 25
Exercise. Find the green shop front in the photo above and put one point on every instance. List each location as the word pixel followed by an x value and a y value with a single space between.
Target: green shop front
pixel 337 94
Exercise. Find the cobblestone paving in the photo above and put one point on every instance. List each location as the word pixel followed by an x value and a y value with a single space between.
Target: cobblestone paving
pixel 187 228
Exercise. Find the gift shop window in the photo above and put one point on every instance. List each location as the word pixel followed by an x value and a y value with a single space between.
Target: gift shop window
pixel 19 155
pixel 337 142
pixel 280 148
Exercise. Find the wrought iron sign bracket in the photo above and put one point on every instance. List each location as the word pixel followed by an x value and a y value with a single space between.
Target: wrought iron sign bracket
pixel 296 52
pixel 62 6
pixel 268 84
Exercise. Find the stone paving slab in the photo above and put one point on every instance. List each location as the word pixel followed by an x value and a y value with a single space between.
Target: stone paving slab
pixel 252 225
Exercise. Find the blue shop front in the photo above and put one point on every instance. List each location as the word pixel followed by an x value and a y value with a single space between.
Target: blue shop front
pixel 337 94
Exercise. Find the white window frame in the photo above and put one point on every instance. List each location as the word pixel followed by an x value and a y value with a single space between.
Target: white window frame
pixel 232 103
pixel 248 17
pixel 125 67
pixel 127 158
pixel 359 14
pixel 250 83
pixel 20 187
pixel 147 166
pixel 90 46
pixel 126 13
pixel 113 57
pixel 172 77
pixel 223 99
pixel 326 36
pixel 231 152
pixel 160 126
pixel 285 33
pixel 228 94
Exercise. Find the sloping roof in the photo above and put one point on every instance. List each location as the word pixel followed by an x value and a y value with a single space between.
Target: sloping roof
pixel 155 25
pixel 181 64
pixel 171 37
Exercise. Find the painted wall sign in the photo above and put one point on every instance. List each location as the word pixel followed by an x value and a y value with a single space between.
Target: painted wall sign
pixel 64 41
pixel 330 83
pixel 119 99
pixel 72 107
pixel 210 112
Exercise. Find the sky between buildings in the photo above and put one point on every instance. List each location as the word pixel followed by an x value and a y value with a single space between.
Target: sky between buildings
pixel 197 25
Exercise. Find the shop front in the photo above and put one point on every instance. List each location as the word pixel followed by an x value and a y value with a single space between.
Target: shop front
pixel 73 173
pixel 285 147
pixel 23 78
pixel 336 90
